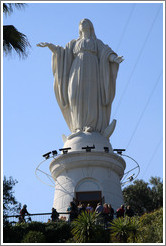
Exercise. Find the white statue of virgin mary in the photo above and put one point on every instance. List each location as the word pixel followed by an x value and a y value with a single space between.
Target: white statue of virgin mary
pixel 85 73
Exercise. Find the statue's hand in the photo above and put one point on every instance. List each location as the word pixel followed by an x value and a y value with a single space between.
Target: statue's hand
pixel 43 44
pixel 118 59
pixel 52 47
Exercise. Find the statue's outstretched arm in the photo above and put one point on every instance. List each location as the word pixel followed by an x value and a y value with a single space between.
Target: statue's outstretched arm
pixel 52 47
pixel 116 59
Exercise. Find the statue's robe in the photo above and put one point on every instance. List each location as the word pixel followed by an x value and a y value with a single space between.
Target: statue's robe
pixel 84 84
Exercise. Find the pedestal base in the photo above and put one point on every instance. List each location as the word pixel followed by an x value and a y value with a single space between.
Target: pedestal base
pixel 78 173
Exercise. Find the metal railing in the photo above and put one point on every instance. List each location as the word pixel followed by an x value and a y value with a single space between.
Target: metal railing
pixel 39 217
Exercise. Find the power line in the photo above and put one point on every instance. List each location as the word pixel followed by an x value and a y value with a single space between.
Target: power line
pixel 140 53
pixel 139 120
pixel 126 25
pixel 153 155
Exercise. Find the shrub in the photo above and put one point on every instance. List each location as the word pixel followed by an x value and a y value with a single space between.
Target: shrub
pixel 145 229
pixel 57 232
pixel 34 237
pixel 13 234
pixel 54 232
pixel 151 227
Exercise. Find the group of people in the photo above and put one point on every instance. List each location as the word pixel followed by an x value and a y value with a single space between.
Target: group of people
pixel 23 212
pixel 122 211
pixel 105 212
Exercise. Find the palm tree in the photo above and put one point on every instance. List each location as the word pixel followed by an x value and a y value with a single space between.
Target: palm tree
pixel 12 38
pixel 85 230
pixel 124 228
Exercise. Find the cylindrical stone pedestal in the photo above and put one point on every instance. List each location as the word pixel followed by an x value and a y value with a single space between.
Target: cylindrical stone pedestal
pixel 87 176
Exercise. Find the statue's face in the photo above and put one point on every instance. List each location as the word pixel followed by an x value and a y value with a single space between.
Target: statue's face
pixel 84 25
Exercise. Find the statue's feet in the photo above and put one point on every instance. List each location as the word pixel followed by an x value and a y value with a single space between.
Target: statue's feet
pixel 78 131
pixel 88 129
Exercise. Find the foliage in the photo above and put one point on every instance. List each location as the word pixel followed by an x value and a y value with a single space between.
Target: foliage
pixel 8 8
pixel 83 227
pixel 124 228
pixel 10 204
pixel 151 227
pixel 85 230
pixel 143 196
pixel 157 192
pixel 16 233
pixel 54 232
pixel 12 38
pixel 34 237
pixel 57 232
pixel 145 229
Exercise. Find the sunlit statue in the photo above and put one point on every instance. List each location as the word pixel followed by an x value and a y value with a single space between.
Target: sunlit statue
pixel 85 73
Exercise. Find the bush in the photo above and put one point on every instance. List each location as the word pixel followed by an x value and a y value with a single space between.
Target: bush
pixel 151 227
pixel 57 232
pixel 13 234
pixel 34 237
pixel 145 229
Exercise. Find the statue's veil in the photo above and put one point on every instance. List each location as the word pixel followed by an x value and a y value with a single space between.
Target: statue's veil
pixel 92 31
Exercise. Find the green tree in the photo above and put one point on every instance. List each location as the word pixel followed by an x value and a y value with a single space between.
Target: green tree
pixel 10 204
pixel 12 38
pixel 143 196
pixel 157 191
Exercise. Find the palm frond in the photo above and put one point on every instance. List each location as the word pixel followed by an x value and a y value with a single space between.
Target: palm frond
pixel 8 8
pixel 13 39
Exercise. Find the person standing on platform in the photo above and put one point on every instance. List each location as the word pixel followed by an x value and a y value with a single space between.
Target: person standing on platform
pixel 72 209
pixel 54 215
pixel 99 210
pixel 129 212
pixel 23 212
pixel 120 212
pixel 89 208
pixel 111 213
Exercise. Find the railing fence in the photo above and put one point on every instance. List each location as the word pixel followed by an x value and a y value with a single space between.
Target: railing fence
pixel 40 217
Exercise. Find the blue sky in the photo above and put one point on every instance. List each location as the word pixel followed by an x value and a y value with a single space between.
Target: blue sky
pixel 32 121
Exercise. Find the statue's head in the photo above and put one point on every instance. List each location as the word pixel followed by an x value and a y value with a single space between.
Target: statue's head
pixel 84 25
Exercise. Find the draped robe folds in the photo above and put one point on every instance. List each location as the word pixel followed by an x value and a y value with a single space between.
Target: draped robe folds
pixel 85 98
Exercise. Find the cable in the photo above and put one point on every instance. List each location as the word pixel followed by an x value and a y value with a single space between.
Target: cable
pixel 125 174
pixel 48 176
pixel 157 81
pixel 140 53
pixel 126 25
pixel 153 155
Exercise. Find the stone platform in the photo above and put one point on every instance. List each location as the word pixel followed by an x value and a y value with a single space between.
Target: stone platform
pixel 81 171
